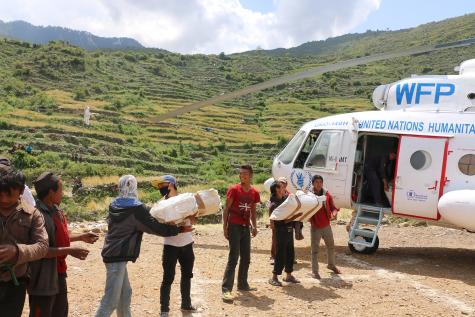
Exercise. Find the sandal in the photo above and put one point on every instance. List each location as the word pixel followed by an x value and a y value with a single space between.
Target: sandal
pixel 275 282
pixel 291 279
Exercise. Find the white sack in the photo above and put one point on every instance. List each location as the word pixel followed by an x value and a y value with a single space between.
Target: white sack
pixel 268 183
pixel 307 215
pixel 175 209
pixel 305 203
pixel 211 201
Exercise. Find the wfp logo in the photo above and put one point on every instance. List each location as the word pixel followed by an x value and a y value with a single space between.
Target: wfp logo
pixel 411 194
pixel 412 92
pixel 299 178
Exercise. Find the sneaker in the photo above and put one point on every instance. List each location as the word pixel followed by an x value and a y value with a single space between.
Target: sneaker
pixel 189 309
pixel 227 297
pixel 164 314
pixel 247 288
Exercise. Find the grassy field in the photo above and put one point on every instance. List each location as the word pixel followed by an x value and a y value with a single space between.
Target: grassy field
pixel 45 89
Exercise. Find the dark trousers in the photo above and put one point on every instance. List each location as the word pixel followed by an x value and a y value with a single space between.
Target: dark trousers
pixel 376 188
pixel 185 256
pixel 239 245
pixel 12 298
pixel 285 254
pixel 51 306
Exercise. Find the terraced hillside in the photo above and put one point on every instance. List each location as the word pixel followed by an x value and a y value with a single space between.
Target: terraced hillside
pixel 45 89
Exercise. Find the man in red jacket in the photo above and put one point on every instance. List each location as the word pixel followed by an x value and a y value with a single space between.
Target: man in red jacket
pixel 321 228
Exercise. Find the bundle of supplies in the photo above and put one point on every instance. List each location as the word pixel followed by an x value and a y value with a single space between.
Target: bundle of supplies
pixel 208 202
pixel 176 209
pixel 305 204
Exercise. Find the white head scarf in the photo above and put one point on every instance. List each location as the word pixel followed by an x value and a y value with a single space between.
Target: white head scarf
pixel 128 187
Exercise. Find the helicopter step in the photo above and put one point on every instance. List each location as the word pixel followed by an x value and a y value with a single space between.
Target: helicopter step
pixel 363 236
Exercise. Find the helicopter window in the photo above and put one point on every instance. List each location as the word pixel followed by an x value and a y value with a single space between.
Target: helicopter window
pixel 325 152
pixel 306 148
pixel 467 164
pixel 292 148
pixel 420 160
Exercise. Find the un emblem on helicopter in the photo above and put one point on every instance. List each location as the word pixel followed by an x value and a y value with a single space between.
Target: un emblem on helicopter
pixel 301 180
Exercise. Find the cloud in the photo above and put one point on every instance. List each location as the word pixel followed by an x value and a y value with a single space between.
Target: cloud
pixel 198 26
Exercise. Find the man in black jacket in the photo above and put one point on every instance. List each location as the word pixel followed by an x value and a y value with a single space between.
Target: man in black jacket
pixel 128 220
pixel 377 169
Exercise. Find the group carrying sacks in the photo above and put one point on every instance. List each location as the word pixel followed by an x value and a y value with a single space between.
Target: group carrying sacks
pixel 176 209
pixel 305 203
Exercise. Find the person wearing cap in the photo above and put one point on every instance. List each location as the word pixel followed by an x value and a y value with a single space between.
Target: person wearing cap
pixel 27 196
pixel 23 239
pixel 47 288
pixel 239 223
pixel 128 219
pixel 177 248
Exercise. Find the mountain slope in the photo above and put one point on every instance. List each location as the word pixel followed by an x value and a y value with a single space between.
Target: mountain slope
pixel 448 30
pixel 25 31
pixel 45 89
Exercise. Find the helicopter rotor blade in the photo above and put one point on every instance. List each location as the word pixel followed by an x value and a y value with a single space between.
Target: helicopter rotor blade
pixel 311 72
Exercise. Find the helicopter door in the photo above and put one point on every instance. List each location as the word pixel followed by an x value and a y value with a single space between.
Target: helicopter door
pixel 420 168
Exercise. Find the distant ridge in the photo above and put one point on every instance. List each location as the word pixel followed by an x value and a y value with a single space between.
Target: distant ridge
pixel 25 31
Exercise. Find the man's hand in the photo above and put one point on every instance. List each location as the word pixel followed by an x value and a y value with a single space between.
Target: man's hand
pixel 272 225
pixel 226 232
pixel 8 253
pixel 254 232
pixel 334 214
pixel 184 229
pixel 89 237
pixel 193 219
pixel 78 253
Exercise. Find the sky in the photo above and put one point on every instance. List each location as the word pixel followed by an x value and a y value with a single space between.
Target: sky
pixel 214 26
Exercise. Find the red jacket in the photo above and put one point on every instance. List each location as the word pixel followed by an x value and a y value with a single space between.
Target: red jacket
pixel 322 217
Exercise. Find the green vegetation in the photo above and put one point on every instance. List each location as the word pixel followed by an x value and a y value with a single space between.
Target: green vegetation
pixel 45 89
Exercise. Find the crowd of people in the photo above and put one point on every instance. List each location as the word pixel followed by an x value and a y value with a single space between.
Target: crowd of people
pixel 35 241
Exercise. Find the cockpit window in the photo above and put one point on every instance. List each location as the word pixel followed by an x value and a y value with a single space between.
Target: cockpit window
pixel 306 148
pixel 292 148
pixel 326 150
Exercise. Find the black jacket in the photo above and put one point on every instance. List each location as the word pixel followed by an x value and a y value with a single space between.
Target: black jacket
pixel 126 227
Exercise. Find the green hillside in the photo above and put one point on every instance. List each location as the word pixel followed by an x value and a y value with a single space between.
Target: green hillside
pixel 45 89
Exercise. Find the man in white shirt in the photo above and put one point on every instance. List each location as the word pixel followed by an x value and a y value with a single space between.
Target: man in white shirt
pixel 178 248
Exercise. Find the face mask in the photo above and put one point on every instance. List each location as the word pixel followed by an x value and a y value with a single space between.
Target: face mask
pixel 164 191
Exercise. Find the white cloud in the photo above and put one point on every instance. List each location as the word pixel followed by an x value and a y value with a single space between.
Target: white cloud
pixel 198 26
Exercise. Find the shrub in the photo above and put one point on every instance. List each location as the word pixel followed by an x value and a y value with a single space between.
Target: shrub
pixel 80 93
pixel 22 160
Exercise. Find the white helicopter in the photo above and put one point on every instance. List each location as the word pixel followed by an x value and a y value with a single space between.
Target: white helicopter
pixel 428 122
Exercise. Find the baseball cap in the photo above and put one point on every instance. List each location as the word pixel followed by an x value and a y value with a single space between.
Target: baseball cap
pixel 163 179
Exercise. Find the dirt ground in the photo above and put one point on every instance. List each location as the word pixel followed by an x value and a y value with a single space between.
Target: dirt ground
pixel 417 271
